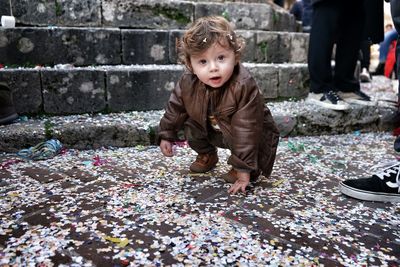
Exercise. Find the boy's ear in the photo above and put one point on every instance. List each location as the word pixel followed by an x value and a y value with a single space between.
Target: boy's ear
pixel 189 67
pixel 237 61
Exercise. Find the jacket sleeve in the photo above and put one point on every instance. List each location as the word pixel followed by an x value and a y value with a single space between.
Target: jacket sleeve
pixel 174 117
pixel 246 126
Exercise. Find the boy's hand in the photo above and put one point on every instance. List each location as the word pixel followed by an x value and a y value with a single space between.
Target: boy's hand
pixel 241 183
pixel 166 148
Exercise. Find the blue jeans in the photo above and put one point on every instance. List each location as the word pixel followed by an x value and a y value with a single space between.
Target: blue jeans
pixel 384 46
pixel 307 15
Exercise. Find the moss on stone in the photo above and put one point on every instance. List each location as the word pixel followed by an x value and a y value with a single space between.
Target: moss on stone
pixel 173 14
pixel 58 9
pixel 263 48
pixel 48 129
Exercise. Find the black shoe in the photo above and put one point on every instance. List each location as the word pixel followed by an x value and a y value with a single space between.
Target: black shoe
pixel 383 186
pixel 7 109
pixel 396 145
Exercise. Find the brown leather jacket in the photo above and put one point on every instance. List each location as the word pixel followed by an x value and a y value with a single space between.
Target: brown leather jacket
pixel 238 107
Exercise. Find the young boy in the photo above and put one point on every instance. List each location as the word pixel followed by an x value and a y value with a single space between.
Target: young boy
pixel 219 104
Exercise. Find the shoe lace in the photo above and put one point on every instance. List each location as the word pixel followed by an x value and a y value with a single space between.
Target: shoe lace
pixel 394 169
pixel 333 96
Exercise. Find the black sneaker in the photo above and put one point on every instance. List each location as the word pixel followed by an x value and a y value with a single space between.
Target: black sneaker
pixel 382 186
pixel 356 97
pixel 396 145
pixel 328 100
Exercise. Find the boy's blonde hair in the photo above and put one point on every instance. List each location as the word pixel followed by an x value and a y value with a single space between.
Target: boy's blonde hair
pixel 205 32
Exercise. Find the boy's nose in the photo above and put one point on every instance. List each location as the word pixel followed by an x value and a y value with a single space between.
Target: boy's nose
pixel 213 66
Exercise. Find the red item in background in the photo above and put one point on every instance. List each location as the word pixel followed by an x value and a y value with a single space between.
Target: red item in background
pixel 390 60
pixel 396 132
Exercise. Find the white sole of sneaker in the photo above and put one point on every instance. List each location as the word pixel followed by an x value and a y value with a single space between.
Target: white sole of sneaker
pixel 327 105
pixel 368 196
pixel 361 102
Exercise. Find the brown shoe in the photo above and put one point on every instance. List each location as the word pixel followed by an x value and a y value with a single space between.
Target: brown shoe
pixel 231 176
pixel 204 162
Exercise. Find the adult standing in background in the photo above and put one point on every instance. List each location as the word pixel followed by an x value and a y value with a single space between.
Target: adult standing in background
pixel 384 185
pixel 337 22
pixel 373 34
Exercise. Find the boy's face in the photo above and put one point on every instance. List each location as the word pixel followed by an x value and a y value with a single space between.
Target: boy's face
pixel 214 66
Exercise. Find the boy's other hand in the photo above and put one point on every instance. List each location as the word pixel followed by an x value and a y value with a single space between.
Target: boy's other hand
pixel 241 183
pixel 166 148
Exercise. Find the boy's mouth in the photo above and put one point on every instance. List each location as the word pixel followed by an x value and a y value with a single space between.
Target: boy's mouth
pixel 215 79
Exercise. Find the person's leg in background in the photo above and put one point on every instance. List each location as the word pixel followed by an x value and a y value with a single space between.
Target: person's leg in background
pixel 347 52
pixel 348 45
pixel 384 47
pixel 365 76
pixel 307 15
pixel 384 185
pixel 324 29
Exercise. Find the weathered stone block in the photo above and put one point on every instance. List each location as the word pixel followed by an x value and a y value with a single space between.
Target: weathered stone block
pixel 266 76
pixel 145 47
pixel 292 81
pixel 267 47
pixel 283 21
pixel 243 16
pixel 19 135
pixel 174 37
pixel 78 12
pixel 69 91
pixel 86 46
pixel 140 88
pixel 59 12
pixel 249 49
pixel 26 88
pixel 37 46
pixel 25 46
pixel 151 14
pixel 95 134
pixel 35 12
pixel 298 47
pixel 284 52
pixel 5 8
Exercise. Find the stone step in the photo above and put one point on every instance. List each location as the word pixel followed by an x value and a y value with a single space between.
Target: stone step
pixel 152 14
pixel 140 128
pixel 65 89
pixel 30 46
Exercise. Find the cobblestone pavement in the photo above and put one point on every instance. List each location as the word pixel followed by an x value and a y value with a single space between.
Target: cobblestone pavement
pixel 131 206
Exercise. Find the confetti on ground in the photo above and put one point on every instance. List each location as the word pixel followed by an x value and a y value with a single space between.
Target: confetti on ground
pixel 132 206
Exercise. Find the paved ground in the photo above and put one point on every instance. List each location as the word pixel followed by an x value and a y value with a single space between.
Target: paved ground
pixel 131 206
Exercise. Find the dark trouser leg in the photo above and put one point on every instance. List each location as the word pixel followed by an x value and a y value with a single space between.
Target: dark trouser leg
pixel 202 142
pixel 351 21
pixel 366 54
pixel 324 27
pixel 307 15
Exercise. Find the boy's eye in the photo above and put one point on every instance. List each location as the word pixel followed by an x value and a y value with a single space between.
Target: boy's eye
pixel 202 61
pixel 221 57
